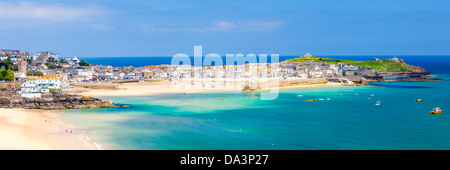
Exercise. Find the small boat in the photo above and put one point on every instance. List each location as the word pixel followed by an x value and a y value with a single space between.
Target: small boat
pixel 300 95
pixel 372 95
pixel 125 106
pixel 340 94
pixel 313 100
pixel 378 103
pixel 418 100
pixel 436 110
pixel 221 99
pixel 328 99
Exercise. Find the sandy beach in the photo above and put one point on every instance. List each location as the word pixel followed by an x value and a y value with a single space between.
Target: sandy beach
pixel 22 129
pixel 165 87
pixel 142 89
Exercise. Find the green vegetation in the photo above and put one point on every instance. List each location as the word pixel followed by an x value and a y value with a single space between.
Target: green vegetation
pixel 38 73
pixel 3 89
pixel 63 61
pixel 9 64
pixel 7 75
pixel 380 66
pixel 83 63
pixel 52 63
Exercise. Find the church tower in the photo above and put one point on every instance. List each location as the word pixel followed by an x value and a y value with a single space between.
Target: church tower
pixel 22 67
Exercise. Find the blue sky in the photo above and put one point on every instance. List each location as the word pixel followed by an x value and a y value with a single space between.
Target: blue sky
pixel 111 28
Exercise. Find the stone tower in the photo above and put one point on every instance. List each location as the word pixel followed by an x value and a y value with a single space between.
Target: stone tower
pixel 22 67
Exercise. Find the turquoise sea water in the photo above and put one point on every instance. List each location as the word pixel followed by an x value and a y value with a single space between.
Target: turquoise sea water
pixel 347 121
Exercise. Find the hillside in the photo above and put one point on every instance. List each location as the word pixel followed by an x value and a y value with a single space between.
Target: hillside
pixel 381 66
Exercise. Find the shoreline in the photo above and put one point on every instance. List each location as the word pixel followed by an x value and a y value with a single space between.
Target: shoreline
pixel 27 129
pixel 160 88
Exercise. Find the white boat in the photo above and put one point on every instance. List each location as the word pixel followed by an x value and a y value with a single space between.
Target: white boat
pixel 378 103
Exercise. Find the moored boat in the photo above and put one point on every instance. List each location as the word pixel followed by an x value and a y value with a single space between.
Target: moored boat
pixel 436 110
pixel 313 100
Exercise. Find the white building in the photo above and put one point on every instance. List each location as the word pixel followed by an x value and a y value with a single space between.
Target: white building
pixel 42 57
pixel 34 86
pixel 75 60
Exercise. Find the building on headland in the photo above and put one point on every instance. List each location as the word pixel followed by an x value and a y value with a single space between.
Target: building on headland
pixel 33 87
pixel 43 57
pixel 75 60
pixel 13 55
pixel 4 52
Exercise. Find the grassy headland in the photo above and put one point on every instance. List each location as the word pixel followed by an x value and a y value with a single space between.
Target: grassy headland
pixel 382 65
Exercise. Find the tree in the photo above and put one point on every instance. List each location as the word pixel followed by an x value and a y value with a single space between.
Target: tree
pixel 7 75
pixel 38 73
pixel 83 63
pixel 29 73
pixel 10 75
pixel 9 63
pixel 51 59
pixel 63 61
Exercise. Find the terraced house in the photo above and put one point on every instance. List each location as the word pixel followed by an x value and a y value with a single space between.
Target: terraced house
pixel 36 87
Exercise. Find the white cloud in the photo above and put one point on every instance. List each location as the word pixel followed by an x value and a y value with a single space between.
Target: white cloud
pixel 102 27
pixel 220 26
pixel 55 12
pixel 224 25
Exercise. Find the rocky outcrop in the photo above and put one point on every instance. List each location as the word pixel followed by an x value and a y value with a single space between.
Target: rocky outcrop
pixel 410 76
pixel 68 103
pixel 374 78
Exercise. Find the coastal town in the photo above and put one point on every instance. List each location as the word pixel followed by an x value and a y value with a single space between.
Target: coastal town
pixel 25 77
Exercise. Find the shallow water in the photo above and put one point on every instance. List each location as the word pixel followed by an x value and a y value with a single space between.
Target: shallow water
pixel 347 121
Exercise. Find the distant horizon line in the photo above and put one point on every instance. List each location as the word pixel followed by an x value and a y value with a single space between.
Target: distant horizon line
pixel 361 55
